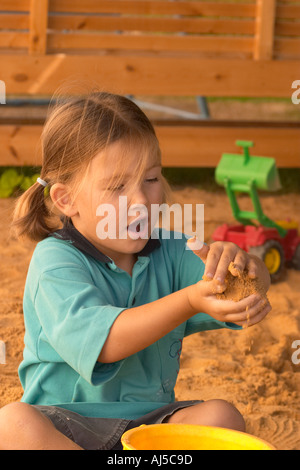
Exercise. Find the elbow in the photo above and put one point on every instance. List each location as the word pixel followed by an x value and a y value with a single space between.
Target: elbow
pixel 108 357
pixel 105 358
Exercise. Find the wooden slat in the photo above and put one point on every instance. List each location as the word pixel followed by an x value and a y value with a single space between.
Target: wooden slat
pixel 17 21
pixel 38 27
pixel 151 75
pixel 193 145
pixel 154 7
pixel 286 48
pixel 287 28
pixel 18 145
pixel 288 11
pixel 15 5
pixel 265 22
pixel 150 42
pixel 161 24
pixel 13 40
pixel 203 146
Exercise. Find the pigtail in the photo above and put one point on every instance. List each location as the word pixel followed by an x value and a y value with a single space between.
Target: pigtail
pixel 31 217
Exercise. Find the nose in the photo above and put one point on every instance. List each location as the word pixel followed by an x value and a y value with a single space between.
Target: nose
pixel 137 204
pixel 137 197
pixel 138 210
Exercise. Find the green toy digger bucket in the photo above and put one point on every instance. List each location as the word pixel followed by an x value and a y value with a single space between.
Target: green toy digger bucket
pixel 244 173
pixel 243 169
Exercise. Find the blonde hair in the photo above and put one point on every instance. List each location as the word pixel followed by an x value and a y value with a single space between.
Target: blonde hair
pixel 76 130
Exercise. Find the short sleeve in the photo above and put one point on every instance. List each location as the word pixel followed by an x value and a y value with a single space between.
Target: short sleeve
pixel 76 318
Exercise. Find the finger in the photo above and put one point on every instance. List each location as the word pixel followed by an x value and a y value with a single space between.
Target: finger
pixel 239 263
pixel 258 317
pixel 252 268
pixel 212 263
pixel 242 307
pixel 251 315
pixel 228 254
pixel 198 247
pixel 211 288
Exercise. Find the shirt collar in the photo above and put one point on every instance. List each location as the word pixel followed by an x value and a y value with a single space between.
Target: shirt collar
pixel 70 233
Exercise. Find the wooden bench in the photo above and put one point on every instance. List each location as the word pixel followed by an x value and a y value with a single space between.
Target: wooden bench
pixel 156 48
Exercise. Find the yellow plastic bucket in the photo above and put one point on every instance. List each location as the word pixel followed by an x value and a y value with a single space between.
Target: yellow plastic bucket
pixel 189 437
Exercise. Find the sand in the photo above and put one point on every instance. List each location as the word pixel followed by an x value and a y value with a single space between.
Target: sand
pixel 251 368
pixel 240 286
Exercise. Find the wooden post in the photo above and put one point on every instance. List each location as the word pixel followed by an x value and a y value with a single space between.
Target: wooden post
pixel 265 24
pixel 38 27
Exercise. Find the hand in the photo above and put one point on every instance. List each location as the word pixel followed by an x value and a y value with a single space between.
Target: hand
pixel 218 256
pixel 246 312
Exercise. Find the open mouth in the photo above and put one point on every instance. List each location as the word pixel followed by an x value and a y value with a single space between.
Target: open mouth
pixel 138 228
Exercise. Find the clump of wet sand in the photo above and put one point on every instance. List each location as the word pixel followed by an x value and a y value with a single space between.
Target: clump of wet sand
pixel 240 286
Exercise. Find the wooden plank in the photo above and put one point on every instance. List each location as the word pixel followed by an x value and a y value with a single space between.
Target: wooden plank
pixel 143 23
pixel 15 5
pixel 188 145
pixel 38 27
pixel 288 11
pixel 203 146
pixel 185 44
pixel 13 40
pixel 19 144
pixel 150 75
pixel 154 7
pixel 286 48
pixel 287 28
pixel 17 21
pixel 265 23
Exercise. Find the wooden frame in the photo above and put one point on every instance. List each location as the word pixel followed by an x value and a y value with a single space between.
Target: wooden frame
pixel 183 144
pixel 151 75
pixel 156 47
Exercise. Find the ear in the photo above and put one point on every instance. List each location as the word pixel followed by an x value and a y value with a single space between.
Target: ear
pixel 61 198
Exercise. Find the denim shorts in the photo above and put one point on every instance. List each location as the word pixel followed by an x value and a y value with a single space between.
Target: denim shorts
pixel 104 433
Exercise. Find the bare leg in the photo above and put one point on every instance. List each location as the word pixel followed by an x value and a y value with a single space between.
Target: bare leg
pixel 23 427
pixel 210 413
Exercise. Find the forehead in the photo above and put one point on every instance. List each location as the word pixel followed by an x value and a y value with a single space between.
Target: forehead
pixel 118 161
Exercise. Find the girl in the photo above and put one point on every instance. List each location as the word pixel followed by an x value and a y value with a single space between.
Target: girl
pixel 105 317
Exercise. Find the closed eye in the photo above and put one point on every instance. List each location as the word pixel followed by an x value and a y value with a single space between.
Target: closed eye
pixel 117 188
pixel 121 186
pixel 152 180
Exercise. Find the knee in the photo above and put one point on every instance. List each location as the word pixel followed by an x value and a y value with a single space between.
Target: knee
pixel 224 414
pixel 14 414
pixel 218 413
pixel 14 419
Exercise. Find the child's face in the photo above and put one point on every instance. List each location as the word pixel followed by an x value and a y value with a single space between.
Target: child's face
pixel 117 215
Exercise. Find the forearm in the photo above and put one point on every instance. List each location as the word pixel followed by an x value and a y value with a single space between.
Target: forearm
pixel 139 327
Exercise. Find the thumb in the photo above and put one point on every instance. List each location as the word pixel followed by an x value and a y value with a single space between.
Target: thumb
pixel 198 247
pixel 211 287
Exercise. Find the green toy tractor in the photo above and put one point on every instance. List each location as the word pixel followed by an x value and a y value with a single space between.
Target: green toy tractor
pixel 276 243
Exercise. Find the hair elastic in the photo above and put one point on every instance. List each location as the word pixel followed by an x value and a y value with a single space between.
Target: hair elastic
pixel 42 182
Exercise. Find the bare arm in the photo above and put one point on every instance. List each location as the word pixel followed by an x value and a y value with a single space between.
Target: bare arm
pixel 138 327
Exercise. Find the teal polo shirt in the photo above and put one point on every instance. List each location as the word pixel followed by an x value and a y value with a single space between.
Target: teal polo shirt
pixel 73 294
